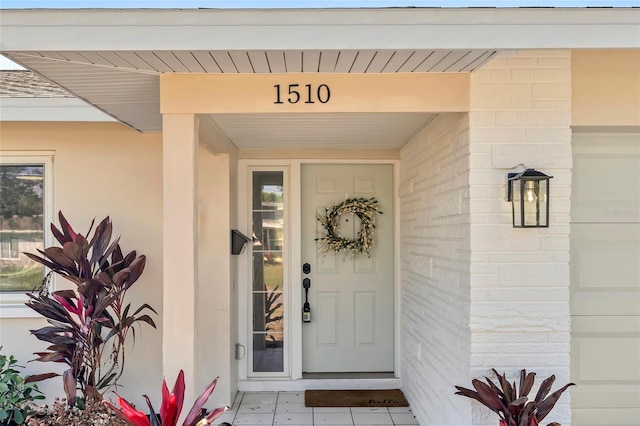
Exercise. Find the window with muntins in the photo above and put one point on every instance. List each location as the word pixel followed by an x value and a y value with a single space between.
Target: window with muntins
pixel 268 272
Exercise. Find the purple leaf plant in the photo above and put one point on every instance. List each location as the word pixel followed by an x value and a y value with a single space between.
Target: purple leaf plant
pixel 89 324
pixel 514 408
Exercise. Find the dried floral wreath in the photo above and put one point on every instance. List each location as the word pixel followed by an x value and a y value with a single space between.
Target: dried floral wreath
pixel 366 209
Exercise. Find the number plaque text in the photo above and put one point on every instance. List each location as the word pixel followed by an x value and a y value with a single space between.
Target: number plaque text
pixel 306 93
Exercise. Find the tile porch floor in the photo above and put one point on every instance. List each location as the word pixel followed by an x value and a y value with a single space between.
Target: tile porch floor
pixel 287 408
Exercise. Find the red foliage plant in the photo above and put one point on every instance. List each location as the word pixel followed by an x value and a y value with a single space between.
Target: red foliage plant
pixel 515 409
pixel 88 325
pixel 171 408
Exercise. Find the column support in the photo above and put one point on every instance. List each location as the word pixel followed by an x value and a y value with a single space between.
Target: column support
pixel 180 143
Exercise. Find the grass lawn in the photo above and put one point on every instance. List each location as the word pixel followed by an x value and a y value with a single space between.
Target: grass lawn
pixel 273 276
pixel 17 278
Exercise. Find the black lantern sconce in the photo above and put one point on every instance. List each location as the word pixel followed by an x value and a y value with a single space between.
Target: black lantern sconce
pixel 528 193
pixel 238 242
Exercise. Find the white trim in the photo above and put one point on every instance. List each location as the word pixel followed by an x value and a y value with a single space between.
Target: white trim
pixel 49 109
pixel 243 266
pixel 300 29
pixel 295 382
pixel 295 226
pixel 304 384
pixel 396 267
pixel 12 304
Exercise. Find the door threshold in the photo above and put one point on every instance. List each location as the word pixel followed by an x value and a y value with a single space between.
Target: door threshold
pixel 358 375
pixel 329 383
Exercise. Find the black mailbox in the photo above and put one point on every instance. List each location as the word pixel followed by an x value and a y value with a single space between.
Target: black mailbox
pixel 238 241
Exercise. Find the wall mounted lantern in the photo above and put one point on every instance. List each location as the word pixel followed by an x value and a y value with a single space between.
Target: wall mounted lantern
pixel 528 192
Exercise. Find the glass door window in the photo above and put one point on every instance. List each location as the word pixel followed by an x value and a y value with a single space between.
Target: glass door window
pixel 268 301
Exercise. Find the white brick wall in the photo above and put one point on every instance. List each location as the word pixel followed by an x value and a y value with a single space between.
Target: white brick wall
pixel 520 116
pixel 476 292
pixel 434 206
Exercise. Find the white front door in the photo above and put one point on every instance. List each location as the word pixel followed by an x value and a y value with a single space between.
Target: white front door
pixel 351 298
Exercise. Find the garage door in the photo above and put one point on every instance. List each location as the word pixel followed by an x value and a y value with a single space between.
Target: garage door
pixel 605 279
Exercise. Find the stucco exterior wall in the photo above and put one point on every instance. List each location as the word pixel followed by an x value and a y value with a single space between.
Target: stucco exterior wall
pixel 215 317
pixel 101 169
pixel 434 239
pixel 605 87
pixel 520 116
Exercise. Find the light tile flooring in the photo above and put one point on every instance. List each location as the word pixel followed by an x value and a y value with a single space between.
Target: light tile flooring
pixel 287 408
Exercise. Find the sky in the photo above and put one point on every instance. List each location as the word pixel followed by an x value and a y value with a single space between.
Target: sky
pixel 266 4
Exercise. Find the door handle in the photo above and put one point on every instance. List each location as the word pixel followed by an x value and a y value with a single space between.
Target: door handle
pixel 306 309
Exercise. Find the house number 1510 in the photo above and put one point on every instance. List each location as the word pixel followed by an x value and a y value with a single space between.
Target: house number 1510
pixel 305 93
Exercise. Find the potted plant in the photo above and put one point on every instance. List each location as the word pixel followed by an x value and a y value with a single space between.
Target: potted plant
pixel 88 325
pixel 171 408
pixel 514 408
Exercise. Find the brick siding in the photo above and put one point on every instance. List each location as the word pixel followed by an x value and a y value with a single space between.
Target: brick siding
pixel 476 292
pixel 434 205
pixel 520 116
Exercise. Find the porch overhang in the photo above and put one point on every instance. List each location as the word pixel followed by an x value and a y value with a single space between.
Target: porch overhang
pixel 319 29
pixel 112 59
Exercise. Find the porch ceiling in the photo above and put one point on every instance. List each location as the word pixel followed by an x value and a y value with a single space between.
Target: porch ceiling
pixel 321 130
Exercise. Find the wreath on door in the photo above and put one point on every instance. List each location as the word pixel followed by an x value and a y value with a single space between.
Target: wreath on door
pixel 366 209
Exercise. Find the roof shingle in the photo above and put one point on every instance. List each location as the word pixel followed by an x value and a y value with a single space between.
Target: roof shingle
pixel 27 84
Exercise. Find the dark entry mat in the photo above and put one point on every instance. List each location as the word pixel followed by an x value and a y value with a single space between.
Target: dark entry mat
pixel 355 398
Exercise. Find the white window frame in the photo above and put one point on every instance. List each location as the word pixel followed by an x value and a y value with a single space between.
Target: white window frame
pixel 246 168
pixel 12 305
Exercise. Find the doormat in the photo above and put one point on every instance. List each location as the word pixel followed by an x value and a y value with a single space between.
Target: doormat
pixel 355 398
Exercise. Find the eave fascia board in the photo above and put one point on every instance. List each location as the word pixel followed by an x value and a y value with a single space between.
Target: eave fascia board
pixel 328 29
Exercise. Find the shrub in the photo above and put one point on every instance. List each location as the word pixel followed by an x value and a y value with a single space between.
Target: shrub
pixel 17 394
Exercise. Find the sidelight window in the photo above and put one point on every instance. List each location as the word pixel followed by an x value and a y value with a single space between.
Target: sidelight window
pixel 268 301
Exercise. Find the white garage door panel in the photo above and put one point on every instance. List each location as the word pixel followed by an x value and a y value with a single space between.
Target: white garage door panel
pixel 606 417
pixel 605 280
pixel 605 269
pixel 606 360
pixel 604 247
pixel 606 354
pixel 612 396
pixel 606 184
pixel 625 325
